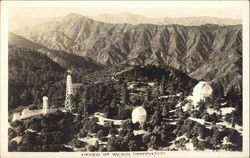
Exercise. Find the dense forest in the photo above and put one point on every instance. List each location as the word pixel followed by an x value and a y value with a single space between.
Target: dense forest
pixel 115 92
pixel 50 132
pixel 33 75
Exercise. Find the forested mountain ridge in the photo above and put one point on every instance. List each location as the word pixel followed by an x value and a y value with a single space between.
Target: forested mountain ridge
pixel 71 61
pixel 206 52
pixel 21 42
pixel 33 75
pixel 159 90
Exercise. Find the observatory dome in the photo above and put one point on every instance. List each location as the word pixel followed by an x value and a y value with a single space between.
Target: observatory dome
pixel 45 104
pixel 45 98
pixel 69 72
pixel 139 114
pixel 201 91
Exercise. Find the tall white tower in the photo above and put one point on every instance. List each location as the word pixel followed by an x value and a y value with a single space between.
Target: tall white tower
pixel 45 105
pixel 69 91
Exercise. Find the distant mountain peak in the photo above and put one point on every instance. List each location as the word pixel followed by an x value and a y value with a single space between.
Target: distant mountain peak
pixel 73 15
pixel 135 19
pixel 129 14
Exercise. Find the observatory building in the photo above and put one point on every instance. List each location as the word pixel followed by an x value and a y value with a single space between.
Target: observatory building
pixel 26 113
pixel 69 91
pixel 201 91
pixel 139 114
pixel 16 116
pixel 45 105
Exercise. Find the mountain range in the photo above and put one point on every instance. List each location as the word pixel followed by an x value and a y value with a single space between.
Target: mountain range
pixel 187 21
pixel 64 59
pixel 17 22
pixel 204 52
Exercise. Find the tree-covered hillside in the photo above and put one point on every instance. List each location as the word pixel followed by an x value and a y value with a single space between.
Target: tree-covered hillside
pixel 33 75
pixel 103 104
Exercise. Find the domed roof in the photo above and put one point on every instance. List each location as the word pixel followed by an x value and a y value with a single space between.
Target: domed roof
pixel 201 91
pixel 45 98
pixel 139 114
pixel 69 72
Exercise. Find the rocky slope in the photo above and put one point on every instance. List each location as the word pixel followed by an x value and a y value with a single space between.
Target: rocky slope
pixel 206 52
pixel 64 59
pixel 21 42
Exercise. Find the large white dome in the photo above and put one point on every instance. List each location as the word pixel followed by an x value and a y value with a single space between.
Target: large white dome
pixel 201 91
pixel 139 114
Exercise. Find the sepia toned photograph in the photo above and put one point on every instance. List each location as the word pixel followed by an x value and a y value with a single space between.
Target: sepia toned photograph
pixel 117 79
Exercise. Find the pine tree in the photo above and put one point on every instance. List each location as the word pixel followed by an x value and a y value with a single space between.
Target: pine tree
pixel 124 95
pixel 233 121
pixel 217 105
pixel 161 89
pixel 165 111
pixel 148 95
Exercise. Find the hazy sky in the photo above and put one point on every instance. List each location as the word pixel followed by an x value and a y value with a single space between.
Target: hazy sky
pixel 148 12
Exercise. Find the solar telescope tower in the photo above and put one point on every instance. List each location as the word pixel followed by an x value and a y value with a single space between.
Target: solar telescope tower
pixel 69 91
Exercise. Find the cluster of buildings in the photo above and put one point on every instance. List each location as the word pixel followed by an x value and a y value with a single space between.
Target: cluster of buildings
pixel 201 91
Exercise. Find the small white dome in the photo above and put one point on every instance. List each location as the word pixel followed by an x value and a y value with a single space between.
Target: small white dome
pixel 69 72
pixel 45 98
pixel 139 114
pixel 201 91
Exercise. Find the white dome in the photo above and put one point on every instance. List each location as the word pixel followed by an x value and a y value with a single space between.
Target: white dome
pixel 69 71
pixel 45 98
pixel 201 91
pixel 139 114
